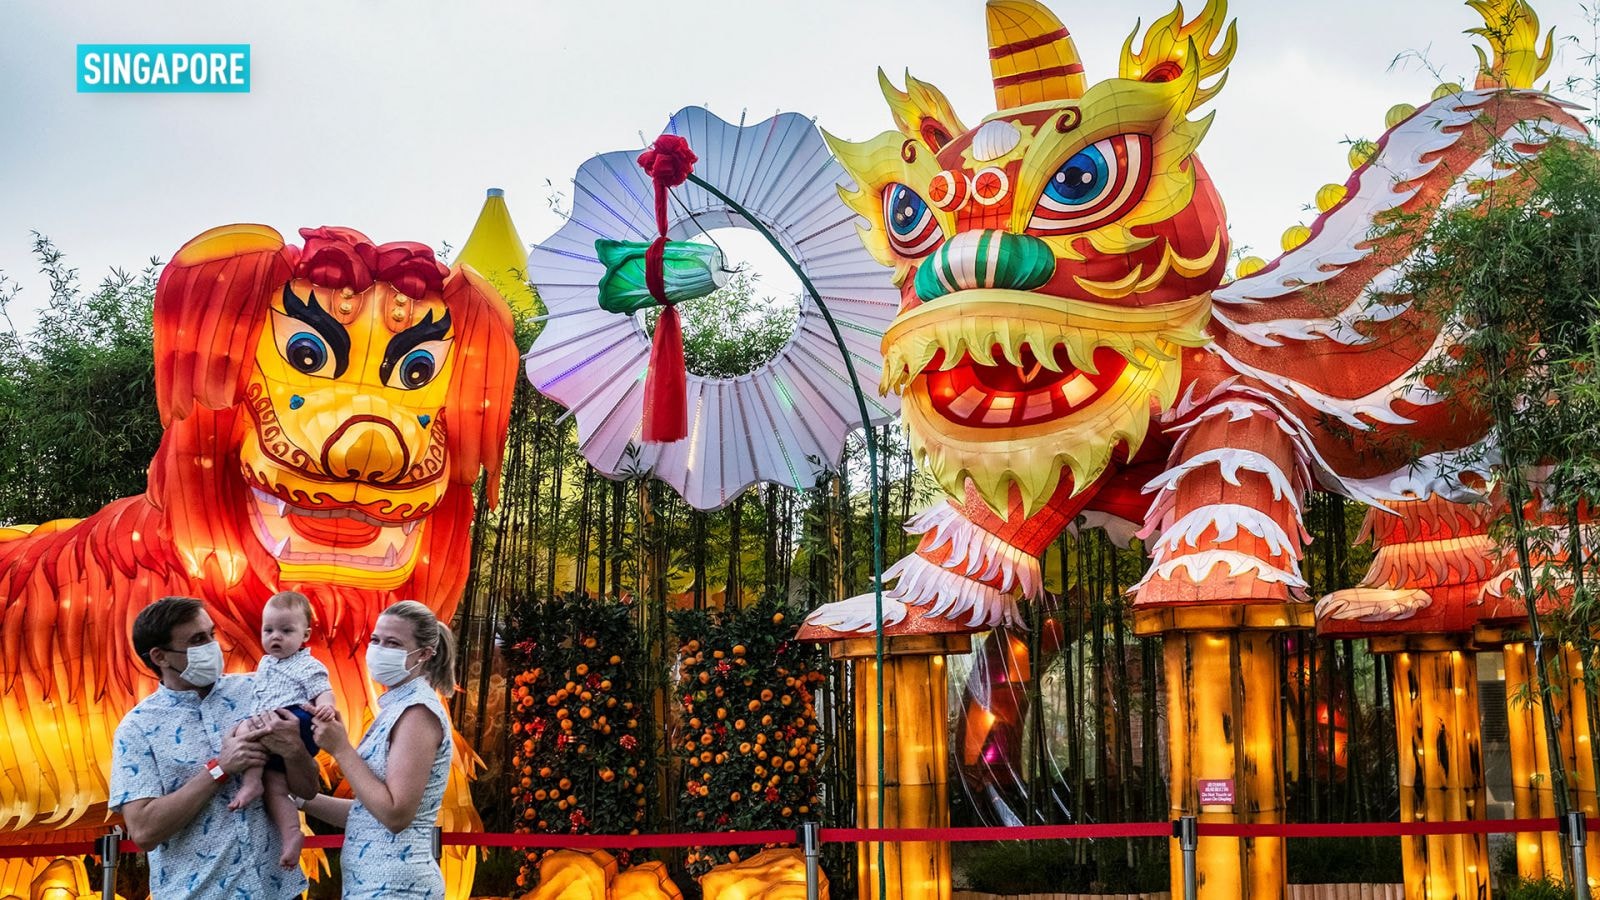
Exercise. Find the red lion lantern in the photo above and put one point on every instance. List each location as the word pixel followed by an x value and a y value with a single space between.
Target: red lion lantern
pixel 327 410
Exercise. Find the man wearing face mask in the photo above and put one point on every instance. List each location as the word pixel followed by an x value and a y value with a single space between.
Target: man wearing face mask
pixel 175 756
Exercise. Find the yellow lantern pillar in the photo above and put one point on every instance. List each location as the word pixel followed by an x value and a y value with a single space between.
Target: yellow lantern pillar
pixel 1223 675
pixel 1540 854
pixel 1438 732
pixel 916 776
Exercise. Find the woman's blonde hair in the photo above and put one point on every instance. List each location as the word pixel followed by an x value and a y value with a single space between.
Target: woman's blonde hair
pixel 440 669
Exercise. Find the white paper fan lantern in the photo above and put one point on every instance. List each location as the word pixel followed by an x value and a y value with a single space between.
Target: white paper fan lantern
pixel 784 423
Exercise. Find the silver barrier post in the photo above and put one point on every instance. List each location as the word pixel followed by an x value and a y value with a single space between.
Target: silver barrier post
pixel 811 840
pixel 1188 841
pixel 1577 834
pixel 438 843
pixel 110 844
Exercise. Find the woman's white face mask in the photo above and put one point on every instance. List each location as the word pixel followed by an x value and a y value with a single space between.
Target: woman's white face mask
pixel 387 665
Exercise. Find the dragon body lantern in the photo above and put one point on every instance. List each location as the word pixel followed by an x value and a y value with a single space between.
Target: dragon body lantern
pixel 1069 351
pixel 327 411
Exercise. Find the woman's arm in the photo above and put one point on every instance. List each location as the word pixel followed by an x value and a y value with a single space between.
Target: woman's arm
pixel 413 744
pixel 330 809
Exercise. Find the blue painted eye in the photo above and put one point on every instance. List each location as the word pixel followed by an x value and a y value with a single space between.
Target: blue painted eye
pixel 1079 179
pixel 306 352
pixel 911 227
pixel 417 369
pixel 1099 184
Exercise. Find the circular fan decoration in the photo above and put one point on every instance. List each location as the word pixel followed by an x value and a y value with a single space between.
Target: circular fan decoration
pixel 783 423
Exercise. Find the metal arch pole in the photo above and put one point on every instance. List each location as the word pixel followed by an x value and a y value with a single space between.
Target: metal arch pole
pixel 811 842
pixel 110 844
pixel 1189 842
pixel 1578 835
pixel 872 474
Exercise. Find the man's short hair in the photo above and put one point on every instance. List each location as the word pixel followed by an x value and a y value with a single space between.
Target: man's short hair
pixel 153 626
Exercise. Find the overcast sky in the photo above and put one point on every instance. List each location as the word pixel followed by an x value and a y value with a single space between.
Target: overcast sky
pixel 393 117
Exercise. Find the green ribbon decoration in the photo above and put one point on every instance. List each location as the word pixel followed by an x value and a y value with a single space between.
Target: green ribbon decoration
pixel 690 271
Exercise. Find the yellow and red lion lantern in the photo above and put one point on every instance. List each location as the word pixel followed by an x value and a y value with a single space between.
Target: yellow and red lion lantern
pixel 1069 351
pixel 327 409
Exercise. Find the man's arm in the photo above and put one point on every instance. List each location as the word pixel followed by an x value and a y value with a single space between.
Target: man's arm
pixel 152 820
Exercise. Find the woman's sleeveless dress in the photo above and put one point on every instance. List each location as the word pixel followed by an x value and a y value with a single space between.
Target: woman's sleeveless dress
pixel 377 862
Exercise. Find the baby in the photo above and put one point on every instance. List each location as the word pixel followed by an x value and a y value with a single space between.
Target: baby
pixel 291 679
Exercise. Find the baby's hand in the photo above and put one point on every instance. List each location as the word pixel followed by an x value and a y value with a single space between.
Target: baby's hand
pixel 323 714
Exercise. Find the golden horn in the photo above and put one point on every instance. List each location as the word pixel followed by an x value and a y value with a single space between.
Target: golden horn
pixel 1031 55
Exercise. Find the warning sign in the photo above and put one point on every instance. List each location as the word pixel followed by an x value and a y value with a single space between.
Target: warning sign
pixel 1216 791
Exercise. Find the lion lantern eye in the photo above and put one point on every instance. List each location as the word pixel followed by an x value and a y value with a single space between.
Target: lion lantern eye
pixel 307 352
pixel 1099 184
pixel 415 370
pixel 910 224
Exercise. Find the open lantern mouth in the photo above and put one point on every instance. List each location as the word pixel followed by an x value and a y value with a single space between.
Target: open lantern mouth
pixel 335 535
pixel 1027 392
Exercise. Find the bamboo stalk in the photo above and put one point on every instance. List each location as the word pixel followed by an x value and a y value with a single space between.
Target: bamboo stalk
pixel 1441 769
pixel 915 783
pixel 1223 692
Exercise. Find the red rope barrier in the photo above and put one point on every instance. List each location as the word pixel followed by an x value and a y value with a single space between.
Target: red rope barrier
pixel 1002 833
pixel 1381 829
pixel 24 851
pixel 891 835
pixel 617 841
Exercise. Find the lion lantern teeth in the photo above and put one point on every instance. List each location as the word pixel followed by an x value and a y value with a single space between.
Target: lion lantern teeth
pixel 278 504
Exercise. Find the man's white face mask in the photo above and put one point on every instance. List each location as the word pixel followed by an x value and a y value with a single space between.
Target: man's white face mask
pixel 205 664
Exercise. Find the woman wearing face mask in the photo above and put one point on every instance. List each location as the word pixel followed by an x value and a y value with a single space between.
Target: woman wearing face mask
pixel 398 772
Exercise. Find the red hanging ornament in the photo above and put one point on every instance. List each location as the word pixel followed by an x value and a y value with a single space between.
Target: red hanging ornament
pixel 668 162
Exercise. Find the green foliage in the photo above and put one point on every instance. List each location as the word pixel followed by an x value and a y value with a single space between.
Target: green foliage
pixel 1512 277
pixel 734 330
pixel 1028 867
pixel 580 725
pixel 77 395
pixel 1542 889
pixel 747 737
pixel 1344 860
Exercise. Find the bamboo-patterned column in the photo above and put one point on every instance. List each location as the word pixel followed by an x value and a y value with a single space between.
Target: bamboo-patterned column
pixel 1438 730
pixel 1540 854
pixel 915 784
pixel 1223 693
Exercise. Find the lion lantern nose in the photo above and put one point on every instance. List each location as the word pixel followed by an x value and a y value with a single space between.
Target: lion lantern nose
pixel 985 259
pixel 367 448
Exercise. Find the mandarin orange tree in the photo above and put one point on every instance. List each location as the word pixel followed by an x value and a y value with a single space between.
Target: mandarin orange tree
pixel 579 720
pixel 746 740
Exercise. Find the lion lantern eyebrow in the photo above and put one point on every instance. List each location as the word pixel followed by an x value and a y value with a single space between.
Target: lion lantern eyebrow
pixel 326 325
pixel 402 343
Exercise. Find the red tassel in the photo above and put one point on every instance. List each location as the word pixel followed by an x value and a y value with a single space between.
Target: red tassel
pixel 666 400
pixel 668 162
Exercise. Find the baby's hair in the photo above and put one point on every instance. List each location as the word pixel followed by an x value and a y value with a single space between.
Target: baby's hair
pixel 293 600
